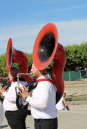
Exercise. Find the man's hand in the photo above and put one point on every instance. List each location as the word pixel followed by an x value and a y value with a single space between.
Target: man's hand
pixel 24 92
pixel 2 90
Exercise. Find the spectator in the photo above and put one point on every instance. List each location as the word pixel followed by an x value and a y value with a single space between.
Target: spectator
pixel 62 104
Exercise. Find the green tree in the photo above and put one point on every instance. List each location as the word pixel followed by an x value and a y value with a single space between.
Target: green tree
pixel 76 56
pixel 30 60
pixel 3 65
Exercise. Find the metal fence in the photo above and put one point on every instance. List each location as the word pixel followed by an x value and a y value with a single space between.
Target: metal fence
pixel 74 75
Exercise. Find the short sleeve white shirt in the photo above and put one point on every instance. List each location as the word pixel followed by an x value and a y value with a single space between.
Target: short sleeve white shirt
pixel 9 102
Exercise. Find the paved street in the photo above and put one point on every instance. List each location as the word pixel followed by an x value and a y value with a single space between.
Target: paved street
pixel 76 118
pixel 76 87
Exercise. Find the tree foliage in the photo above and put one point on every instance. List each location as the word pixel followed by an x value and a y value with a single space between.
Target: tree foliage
pixel 3 65
pixel 76 58
pixel 30 60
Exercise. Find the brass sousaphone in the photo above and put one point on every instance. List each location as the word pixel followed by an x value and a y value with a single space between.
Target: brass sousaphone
pixel 45 49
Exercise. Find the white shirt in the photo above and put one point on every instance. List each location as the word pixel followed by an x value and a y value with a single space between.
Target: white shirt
pixel 9 102
pixel 60 105
pixel 43 100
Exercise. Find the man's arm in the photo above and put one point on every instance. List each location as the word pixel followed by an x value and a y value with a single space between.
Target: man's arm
pixel 40 102
pixel 2 90
pixel 64 101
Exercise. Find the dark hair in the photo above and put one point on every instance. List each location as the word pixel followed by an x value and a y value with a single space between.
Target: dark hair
pixel 64 93
pixel 15 68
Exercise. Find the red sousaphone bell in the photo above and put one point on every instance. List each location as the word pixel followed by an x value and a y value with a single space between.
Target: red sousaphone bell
pixel 16 56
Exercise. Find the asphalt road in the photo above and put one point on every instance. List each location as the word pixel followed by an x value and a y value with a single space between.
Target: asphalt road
pixel 76 118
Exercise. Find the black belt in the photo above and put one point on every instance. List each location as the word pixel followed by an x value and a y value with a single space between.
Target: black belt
pixel 40 120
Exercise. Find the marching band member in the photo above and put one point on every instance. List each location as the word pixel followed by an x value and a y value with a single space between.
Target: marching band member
pixel 15 118
pixel 42 101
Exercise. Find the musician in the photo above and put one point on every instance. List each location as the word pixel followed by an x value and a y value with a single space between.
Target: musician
pixel 42 101
pixel 15 118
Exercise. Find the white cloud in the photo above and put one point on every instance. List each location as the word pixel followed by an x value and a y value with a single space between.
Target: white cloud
pixel 72 32
pixel 18 31
pixel 23 37
pixel 60 9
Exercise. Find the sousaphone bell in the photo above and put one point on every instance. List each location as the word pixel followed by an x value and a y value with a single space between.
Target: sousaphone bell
pixel 16 56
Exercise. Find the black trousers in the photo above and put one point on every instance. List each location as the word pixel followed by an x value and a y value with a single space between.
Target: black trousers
pixel 16 119
pixel 46 123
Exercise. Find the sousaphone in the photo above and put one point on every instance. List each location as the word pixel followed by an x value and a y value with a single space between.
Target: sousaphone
pixel 45 49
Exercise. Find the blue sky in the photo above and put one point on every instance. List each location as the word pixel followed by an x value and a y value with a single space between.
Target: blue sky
pixel 22 20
